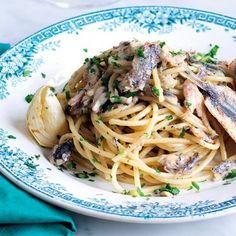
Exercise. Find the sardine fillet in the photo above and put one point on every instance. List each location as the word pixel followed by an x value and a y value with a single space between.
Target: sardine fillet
pixel 221 103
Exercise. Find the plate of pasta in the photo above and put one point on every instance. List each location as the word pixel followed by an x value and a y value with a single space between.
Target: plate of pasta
pixel 136 124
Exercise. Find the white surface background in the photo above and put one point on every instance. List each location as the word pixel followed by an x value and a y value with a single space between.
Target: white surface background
pixel 20 18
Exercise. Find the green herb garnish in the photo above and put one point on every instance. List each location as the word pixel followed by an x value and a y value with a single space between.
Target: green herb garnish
pixel 129 58
pixel 104 80
pixel 182 133
pixel 29 98
pixel 37 156
pixel 162 43
pixel 98 120
pixel 170 117
pixel 52 89
pixel 130 94
pixel 30 164
pixel 115 64
pixel 85 49
pixel 155 91
pixel 188 104
pixel 68 96
pixel 71 165
pixel 231 174
pixel 157 170
pixel 195 185
pixel 173 53
pixel 95 160
pixel 170 189
pixel 82 175
pixel 116 99
pixel 139 192
pixel 140 52
pixel 26 73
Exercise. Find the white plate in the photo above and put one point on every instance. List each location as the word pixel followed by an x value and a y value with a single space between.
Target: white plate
pixel 57 51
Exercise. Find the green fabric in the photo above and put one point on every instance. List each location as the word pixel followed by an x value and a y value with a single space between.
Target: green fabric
pixel 21 214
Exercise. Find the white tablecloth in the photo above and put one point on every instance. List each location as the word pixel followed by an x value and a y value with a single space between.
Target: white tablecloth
pixel 20 18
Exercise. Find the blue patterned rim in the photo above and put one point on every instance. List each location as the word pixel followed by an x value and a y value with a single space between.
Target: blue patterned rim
pixel 33 179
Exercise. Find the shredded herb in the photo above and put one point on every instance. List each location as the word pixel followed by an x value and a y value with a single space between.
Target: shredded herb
pixel 155 91
pixel 195 185
pixel 29 98
pixel 157 170
pixel 162 44
pixel 139 192
pixel 170 117
pixel 107 106
pixel 95 160
pixel 140 52
pixel 81 139
pixel 82 175
pixel 99 140
pixel 126 192
pixel 116 99
pixel 98 120
pixel 91 180
pixel 209 57
pixel 188 104
pixel 71 165
pixel 92 70
pixel 52 89
pixel 68 96
pixel 37 156
pixel 11 136
pixel 130 94
pixel 173 53
pixel 108 94
pixel 190 188
pixel 85 49
pixel 104 80
pixel 26 73
pixel 115 57
pixel 170 189
pixel 182 133
pixel 115 64
pixel 43 75
pixel 142 185
pixel 129 58
pixel 231 174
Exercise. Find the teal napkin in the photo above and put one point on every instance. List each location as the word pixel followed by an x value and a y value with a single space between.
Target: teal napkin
pixel 21 214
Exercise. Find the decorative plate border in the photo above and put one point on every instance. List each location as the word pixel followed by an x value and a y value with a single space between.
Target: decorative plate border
pixel 33 178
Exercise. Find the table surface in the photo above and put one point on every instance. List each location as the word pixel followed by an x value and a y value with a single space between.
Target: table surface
pixel 19 19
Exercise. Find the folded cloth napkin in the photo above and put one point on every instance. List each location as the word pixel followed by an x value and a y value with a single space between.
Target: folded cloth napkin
pixel 21 214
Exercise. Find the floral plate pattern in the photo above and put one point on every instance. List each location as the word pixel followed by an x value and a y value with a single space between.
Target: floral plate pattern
pixel 38 60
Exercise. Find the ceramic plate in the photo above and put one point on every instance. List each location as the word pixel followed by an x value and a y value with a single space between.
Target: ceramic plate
pixel 50 56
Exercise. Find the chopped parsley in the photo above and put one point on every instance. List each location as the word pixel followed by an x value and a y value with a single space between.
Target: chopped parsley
pixel 155 91
pixel 26 73
pixel 92 70
pixel 37 156
pixel 115 64
pixel 68 96
pixel 139 192
pixel 104 80
pixel 52 89
pixel 130 94
pixel 11 136
pixel 129 58
pixel 157 170
pixel 43 75
pixel 99 140
pixel 91 180
pixel 85 49
pixel 173 53
pixel 126 192
pixel 81 139
pixel 162 44
pixel 182 133
pixel 71 165
pixel 188 104
pixel 170 117
pixel 140 52
pixel 231 174
pixel 115 57
pixel 116 99
pixel 107 106
pixel 95 160
pixel 195 185
pixel 85 174
pixel 169 188
pixel 29 98
pixel 98 120
pixel 82 175
pixel 209 57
